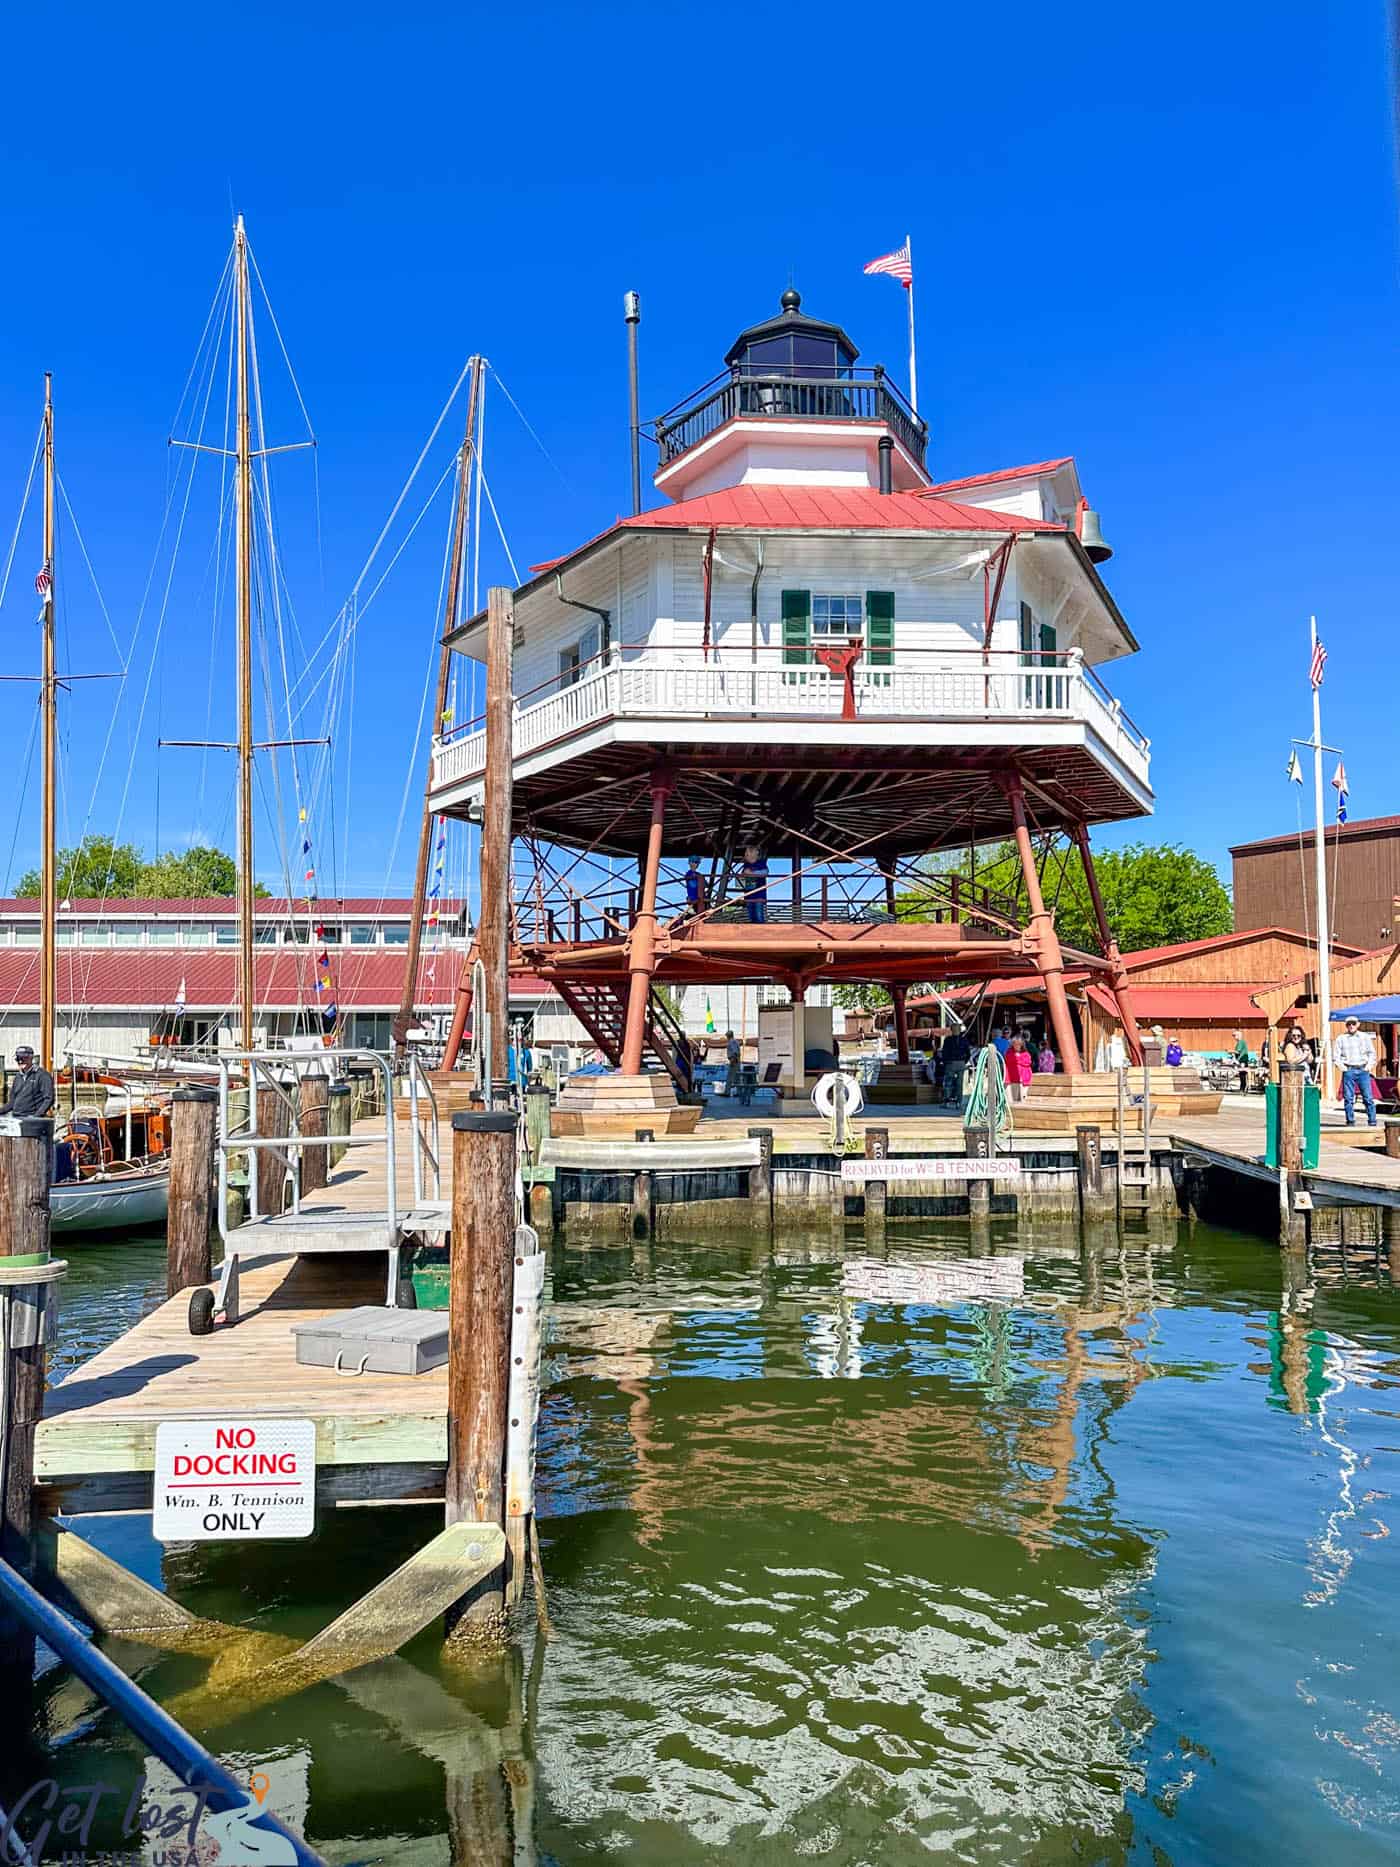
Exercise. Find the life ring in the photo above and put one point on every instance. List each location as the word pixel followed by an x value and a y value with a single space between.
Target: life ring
pixel 824 1094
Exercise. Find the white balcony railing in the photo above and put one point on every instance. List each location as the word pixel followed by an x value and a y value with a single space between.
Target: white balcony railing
pixel 669 686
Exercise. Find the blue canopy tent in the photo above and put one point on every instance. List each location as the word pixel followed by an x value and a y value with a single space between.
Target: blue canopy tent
pixel 1374 1011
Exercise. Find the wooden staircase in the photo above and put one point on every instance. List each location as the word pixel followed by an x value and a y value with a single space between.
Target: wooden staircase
pixel 601 1008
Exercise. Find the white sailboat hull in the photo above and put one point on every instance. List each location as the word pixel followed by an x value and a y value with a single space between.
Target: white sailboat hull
pixel 117 1205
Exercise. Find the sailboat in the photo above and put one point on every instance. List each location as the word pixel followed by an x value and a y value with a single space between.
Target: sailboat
pixel 111 1158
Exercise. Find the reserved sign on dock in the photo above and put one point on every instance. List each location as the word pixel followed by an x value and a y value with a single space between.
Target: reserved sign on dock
pixel 234 1480
pixel 944 1167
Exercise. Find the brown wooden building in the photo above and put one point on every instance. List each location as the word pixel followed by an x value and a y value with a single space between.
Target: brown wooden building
pixel 1274 881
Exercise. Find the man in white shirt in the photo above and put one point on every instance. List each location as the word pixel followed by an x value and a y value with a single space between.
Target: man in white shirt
pixel 1356 1054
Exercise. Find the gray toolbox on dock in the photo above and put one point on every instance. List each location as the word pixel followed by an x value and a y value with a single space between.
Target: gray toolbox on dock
pixel 371 1340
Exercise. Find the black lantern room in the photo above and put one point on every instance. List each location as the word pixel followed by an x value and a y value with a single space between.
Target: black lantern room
pixel 793 346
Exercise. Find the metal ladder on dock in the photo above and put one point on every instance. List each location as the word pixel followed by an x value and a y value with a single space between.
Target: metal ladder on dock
pixel 1134 1151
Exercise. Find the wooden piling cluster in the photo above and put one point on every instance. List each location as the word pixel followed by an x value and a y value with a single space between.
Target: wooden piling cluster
pixel 27 1279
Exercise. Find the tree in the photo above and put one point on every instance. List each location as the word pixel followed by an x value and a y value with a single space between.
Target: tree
pixel 1155 894
pixel 187 874
pixel 100 868
pixel 97 867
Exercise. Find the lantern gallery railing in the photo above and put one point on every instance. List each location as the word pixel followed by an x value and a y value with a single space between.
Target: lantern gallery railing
pixel 934 687
pixel 859 395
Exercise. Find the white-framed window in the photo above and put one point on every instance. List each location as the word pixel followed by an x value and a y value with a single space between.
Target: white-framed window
pixel 361 935
pixel 225 935
pixel 837 616
pixel 396 933
pixel 96 933
pixel 573 660
pixel 126 935
pixel 163 933
pixel 267 934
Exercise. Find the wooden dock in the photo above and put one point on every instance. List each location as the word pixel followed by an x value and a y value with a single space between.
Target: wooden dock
pixel 1350 1170
pixel 377 1436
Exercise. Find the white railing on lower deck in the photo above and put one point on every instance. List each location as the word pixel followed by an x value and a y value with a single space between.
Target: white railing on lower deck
pixel 674 686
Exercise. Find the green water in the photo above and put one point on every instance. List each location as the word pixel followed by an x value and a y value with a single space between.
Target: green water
pixel 1103 1571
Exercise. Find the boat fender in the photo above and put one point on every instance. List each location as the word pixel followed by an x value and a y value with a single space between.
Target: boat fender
pixel 824 1094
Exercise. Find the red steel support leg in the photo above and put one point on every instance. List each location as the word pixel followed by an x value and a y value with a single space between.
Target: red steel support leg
pixel 1118 978
pixel 1048 959
pixel 642 941
pixel 461 1011
pixel 901 1023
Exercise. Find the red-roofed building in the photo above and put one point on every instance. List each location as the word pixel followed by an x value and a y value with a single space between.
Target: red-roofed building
pixel 130 971
pixel 812 650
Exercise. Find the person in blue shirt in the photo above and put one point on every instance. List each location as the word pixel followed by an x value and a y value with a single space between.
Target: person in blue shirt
pixel 753 879
pixel 1002 1040
pixel 694 886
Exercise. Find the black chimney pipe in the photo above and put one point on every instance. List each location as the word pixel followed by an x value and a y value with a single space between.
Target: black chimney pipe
pixel 886 464
pixel 632 313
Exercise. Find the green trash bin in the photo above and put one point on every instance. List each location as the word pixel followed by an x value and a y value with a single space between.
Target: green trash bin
pixel 1312 1125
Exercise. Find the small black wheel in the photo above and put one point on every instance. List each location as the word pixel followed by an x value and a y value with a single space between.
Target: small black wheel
pixel 201 1312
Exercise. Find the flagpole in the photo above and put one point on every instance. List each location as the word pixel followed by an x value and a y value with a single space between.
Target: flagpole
pixel 913 366
pixel 1324 944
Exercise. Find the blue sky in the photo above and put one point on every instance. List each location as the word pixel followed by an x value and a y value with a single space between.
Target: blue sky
pixel 1163 242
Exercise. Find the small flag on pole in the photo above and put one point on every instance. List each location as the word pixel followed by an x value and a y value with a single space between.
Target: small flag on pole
pixel 709 1017
pixel 180 995
pixel 899 265
pixel 1295 769
pixel 43 583
pixel 1319 662
pixel 1339 785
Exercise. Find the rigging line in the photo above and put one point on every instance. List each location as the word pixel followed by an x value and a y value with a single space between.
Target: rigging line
pixel 101 602
pixel 273 581
pixel 477 450
pixel 499 527
pixel 349 742
pixel 563 477
pixel 442 416
pixel 219 293
pixel 277 333
pixel 23 508
pixel 415 744
pixel 447 473
pixel 19 808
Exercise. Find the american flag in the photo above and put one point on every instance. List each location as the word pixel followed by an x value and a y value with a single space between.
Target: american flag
pixel 1319 661
pixel 899 265
pixel 43 583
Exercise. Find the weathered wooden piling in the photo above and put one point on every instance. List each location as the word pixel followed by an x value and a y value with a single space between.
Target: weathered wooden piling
pixel 643 1194
pixel 338 1118
pixel 1094 1203
pixel 26 1282
pixel 1292 1223
pixel 270 1163
pixel 761 1180
pixel 193 1214
pixel 979 1192
pixel 877 1147
pixel 313 1119
pixel 478 1368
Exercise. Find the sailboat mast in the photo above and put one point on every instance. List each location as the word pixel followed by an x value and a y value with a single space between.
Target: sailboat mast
pixel 1324 943
pixel 243 454
pixel 404 1019
pixel 48 702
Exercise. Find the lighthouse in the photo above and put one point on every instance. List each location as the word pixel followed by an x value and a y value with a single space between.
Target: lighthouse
pixel 810 674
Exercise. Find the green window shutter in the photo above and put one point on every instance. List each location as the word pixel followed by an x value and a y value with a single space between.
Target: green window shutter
pixel 879 628
pixel 797 627
pixel 1048 639
pixel 1027 635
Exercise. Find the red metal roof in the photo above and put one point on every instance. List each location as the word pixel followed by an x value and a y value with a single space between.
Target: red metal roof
pixel 1153 955
pixel 1002 473
pixel 1161 1004
pixel 156 978
pixel 829 508
pixel 811 508
pixel 201 908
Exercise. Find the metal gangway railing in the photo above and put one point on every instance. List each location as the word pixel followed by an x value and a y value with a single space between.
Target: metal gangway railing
pixel 278 1072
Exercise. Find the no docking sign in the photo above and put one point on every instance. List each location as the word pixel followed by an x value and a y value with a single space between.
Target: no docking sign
pixel 230 1480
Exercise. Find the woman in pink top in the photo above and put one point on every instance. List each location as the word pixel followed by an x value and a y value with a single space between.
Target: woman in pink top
pixel 1019 1065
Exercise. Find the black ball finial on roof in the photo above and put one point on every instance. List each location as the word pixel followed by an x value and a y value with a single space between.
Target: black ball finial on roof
pixel 791 300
